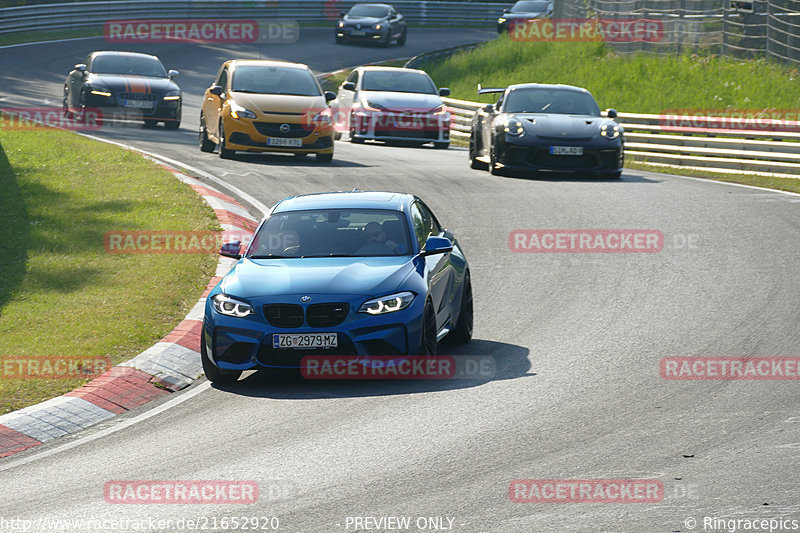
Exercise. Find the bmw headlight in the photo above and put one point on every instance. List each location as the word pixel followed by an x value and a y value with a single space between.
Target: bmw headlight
pixel 172 96
pixel 377 26
pixel 238 111
pixel 610 131
pixel 387 304
pixel 225 305
pixel 514 127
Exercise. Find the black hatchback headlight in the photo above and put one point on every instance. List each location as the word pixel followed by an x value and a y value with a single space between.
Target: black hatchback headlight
pixel 172 96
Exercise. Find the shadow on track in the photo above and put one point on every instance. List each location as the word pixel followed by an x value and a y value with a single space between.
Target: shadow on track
pixel 511 362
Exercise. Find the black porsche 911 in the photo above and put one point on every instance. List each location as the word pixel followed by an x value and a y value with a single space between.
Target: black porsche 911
pixel 378 23
pixel 552 128
pixel 126 85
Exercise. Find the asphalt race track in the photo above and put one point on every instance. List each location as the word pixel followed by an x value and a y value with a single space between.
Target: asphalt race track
pixel 577 339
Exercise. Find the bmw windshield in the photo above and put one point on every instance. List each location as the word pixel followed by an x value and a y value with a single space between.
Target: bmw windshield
pixel 332 233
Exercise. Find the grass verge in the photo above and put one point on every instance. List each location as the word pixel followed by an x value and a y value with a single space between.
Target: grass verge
pixel 634 83
pixel 61 293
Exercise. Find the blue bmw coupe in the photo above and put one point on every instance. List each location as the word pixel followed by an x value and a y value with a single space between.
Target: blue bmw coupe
pixel 344 273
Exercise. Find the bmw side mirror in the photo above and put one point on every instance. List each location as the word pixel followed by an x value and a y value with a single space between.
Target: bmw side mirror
pixel 444 91
pixel 611 113
pixel 231 249
pixel 349 86
pixel 172 73
pixel 329 95
pixel 437 245
pixel 488 108
pixel 216 89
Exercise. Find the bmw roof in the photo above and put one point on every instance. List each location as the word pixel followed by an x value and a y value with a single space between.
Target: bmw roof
pixel 356 199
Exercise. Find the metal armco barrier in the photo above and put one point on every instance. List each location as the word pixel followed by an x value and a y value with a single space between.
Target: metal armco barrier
pixel 93 14
pixel 659 140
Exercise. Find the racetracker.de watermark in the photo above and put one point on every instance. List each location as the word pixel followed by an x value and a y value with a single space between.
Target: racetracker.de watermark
pixel 730 368
pixel 613 30
pixel 201 31
pixel 52 367
pixel 586 241
pixel 586 491
pixel 170 242
pixel 398 367
pixel 41 118
pixel 181 492
pixel 780 120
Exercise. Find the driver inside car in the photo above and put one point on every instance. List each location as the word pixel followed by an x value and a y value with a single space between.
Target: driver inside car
pixel 376 242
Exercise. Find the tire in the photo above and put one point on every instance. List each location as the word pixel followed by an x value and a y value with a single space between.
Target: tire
pixel 212 372
pixel 205 143
pixel 494 169
pixel 150 123
pixel 337 136
pixel 224 153
pixel 429 345
pixel 172 124
pixel 462 333
pixel 65 107
pixel 473 156
pixel 325 158
pixel 353 138
pixel 441 146
pixel 614 175
pixel 386 43
pixel 403 37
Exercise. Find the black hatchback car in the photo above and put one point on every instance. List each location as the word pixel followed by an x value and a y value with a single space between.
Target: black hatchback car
pixel 124 84
pixel 377 23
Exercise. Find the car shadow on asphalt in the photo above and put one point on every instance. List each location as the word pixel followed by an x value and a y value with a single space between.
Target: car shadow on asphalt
pixel 288 160
pixel 508 361
pixel 627 177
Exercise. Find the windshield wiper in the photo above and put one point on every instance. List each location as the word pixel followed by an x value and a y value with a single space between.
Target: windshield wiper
pixel 273 256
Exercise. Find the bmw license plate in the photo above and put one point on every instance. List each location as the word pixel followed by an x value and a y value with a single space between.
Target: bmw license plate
pixel 140 104
pixel 281 141
pixel 300 341
pixel 566 150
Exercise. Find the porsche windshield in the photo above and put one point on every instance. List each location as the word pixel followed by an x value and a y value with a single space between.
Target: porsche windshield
pixel 274 80
pixel 128 65
pixel 398 81
pixel 541 100
pixel 332 233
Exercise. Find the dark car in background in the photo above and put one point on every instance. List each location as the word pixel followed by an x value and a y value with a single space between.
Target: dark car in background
pixel 125 85
pixel 522 11
pixel 554 128
pixel 377 23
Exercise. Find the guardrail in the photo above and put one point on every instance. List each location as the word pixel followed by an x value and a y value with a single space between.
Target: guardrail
pixel 661 140
pixel 93 14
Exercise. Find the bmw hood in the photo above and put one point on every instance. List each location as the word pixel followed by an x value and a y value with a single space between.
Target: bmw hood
pixel 365 276
pixel 562 126
pixel 134 84
pixel 402 101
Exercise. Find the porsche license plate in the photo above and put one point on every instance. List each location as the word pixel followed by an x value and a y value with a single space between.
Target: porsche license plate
pixel 566 150
pixel 281 141
pixel 300 341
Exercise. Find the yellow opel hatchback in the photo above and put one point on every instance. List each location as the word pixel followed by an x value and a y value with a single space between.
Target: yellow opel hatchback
pixel 267 106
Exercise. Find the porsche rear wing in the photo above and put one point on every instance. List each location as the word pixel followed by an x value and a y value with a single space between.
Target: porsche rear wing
pixel 488 90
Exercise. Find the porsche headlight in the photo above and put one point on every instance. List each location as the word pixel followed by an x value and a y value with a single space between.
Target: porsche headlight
pixel 225 305
pixel 238 111
pixel 610 131
pixel 514 127
pixel 387 304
